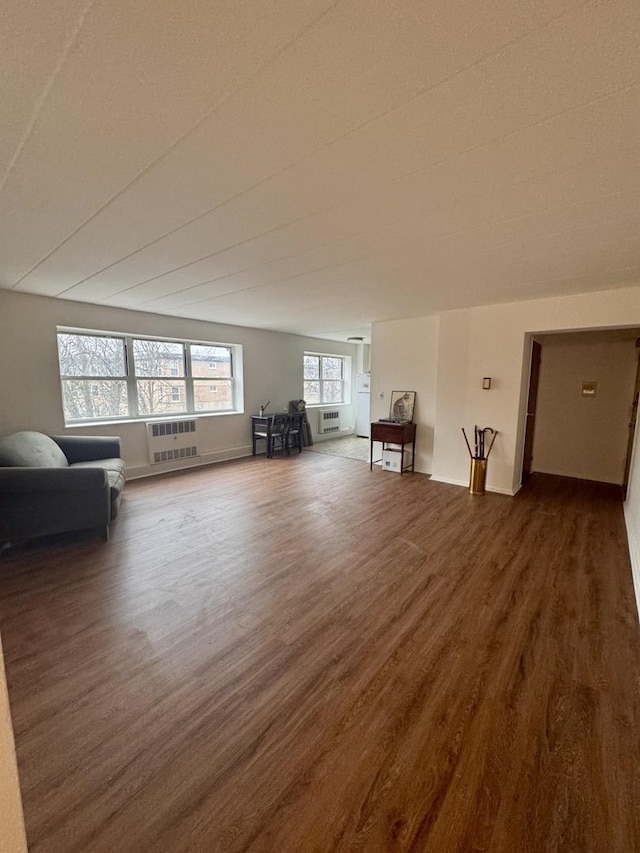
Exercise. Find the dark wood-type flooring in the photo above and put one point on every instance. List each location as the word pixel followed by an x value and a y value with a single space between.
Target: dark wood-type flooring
pixel 300 656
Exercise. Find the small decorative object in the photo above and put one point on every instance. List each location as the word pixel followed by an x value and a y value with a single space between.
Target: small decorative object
pixel 479 458
pixel 263 409
pixel 402 404
pixel 486 383
pixel 589 389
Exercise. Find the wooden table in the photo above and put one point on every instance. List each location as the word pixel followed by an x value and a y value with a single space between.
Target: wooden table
pixel 398 434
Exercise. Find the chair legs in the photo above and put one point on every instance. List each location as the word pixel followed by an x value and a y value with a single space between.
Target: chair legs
pixel 295 440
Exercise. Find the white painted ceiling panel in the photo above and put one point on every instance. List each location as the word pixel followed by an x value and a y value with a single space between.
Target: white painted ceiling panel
pixel 404 200
pixel 438 124
pixel 37 37
pixel 139 77
pixel 318 166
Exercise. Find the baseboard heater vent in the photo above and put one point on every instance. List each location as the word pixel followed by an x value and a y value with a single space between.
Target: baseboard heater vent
pixel 169 441
pixel 329 421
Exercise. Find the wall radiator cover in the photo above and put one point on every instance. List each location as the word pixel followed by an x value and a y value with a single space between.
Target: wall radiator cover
pixel 169 441
pixel 329 421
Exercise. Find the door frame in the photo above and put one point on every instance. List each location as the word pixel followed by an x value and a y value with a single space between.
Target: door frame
pixel 633 425
pixel 535 358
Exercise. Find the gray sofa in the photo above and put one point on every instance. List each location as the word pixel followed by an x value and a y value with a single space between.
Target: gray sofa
pixel 52 484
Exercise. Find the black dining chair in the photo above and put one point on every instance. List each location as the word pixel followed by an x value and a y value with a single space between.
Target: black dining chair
pixel 272 429
pixel 294 431
pixel 279 434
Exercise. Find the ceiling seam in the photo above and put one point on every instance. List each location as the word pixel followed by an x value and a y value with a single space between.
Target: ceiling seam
pixel 390 252
pixel 402 246
pixel 184 136
pixel 44 94
pixel 431 165
pixel 328 144
pixel 459 200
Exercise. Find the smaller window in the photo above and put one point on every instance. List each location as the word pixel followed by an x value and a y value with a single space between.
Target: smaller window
pixel 324 379
pixel 176 394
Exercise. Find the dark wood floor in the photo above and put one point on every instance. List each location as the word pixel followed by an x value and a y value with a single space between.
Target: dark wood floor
pixel 301 656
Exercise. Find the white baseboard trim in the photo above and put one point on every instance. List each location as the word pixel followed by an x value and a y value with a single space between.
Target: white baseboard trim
pixel 197 462
pixel 465 483
pixel 449 481
pixel 634 555
pixel 327 436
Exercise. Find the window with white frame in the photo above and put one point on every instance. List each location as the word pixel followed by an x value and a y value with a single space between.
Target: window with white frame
pixel 324 378
pixel 109 376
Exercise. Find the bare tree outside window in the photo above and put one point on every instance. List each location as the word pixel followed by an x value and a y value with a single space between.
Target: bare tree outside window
pixel 111 376
pixel 93 373
pixel 323 379
pixel 155 360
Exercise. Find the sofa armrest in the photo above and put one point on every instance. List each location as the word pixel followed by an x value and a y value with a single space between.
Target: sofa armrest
pixel 85 448
pixel 21 480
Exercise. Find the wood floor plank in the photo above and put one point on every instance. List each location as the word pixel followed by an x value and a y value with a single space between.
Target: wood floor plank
pixel 303 656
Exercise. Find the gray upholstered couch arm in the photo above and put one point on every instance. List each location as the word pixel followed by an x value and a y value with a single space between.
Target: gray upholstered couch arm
pixel 85 448
pixel 20 480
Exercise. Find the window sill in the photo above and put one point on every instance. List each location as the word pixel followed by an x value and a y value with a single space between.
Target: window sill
pixel 326 405
pixel 182 416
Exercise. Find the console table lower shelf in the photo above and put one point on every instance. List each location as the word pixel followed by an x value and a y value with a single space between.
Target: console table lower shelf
pixel 400 435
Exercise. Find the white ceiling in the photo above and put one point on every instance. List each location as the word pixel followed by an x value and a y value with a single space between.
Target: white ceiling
pixel 315 165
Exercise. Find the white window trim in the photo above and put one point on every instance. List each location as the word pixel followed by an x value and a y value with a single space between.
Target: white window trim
pixel 134 416
pixel 346 379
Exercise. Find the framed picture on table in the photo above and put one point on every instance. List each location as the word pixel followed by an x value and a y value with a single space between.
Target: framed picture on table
pixel 402 405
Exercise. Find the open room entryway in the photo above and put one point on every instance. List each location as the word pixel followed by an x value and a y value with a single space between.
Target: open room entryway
pixel 581 401
pixel 349 447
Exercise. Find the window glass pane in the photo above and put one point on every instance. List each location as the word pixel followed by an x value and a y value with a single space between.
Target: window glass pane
pixel 312 392
pixel 210 361
pixel 212 398
pixel 311 367
pixel 87 399
pixel 90 355
pixel 159 396
pixel 331 391
pixel 331 368
pixel 158 358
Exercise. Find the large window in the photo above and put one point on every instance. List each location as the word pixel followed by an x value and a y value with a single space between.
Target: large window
pixel 324 379
pixel 107 376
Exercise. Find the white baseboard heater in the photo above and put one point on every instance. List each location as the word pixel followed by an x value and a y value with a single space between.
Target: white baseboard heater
pixel 169 441
pixel 329 421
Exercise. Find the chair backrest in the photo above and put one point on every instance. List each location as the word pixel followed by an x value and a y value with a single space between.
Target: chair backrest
pixel 280 423
pixel 296 419
pixel 297 406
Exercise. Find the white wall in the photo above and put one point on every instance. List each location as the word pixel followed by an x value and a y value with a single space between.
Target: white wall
pixel 577 436
pixel 30 384
pixel 12 835
pixel 474 344
pixel 404 357
pixel 495 341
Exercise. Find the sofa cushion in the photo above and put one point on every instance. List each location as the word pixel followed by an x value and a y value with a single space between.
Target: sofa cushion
pixel 115 469
pixel 31 450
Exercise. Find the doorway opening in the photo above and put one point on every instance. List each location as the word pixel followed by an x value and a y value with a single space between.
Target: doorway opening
pixel 582 404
